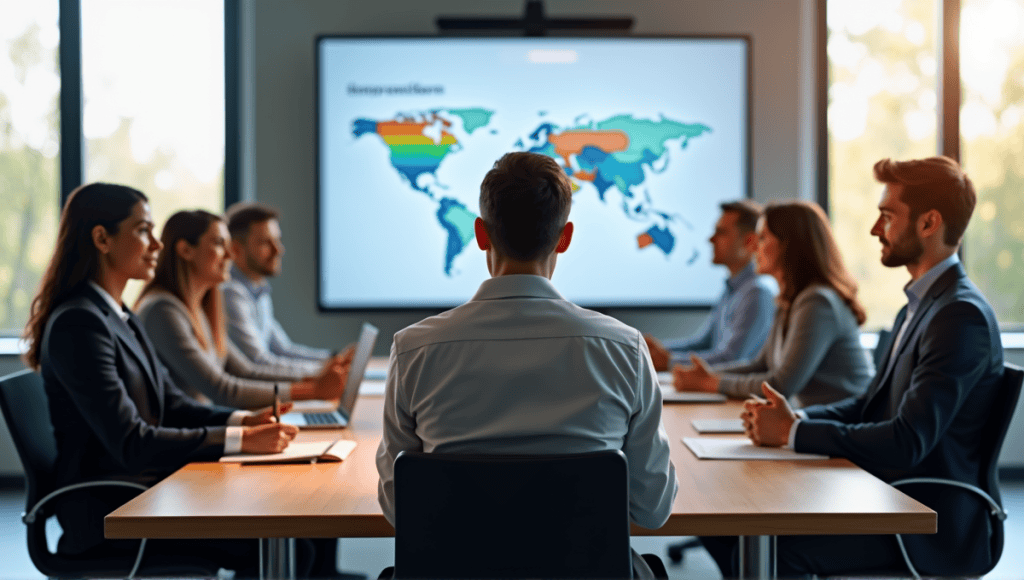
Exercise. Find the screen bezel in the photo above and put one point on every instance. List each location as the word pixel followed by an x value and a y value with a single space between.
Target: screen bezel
pixel 428 309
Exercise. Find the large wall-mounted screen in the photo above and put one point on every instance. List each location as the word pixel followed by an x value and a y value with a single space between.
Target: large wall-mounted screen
pixel 654 133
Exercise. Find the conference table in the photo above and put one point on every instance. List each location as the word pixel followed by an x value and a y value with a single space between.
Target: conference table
pixel 755 500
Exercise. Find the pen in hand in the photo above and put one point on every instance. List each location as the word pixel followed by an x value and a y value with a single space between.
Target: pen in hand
pixel 277 405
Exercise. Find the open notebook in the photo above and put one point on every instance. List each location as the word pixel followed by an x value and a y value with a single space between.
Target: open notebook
pixel 306 452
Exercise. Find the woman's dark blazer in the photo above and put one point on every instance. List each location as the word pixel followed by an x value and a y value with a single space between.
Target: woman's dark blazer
pixel 116 413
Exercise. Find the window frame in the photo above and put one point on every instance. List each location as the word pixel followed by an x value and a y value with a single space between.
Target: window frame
pixel 71 157
pixel 72 140
pixel 948 93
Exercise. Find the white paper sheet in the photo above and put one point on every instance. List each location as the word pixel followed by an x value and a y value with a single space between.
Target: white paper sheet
pixel 718 425
pixel 734 448
pixel 670 395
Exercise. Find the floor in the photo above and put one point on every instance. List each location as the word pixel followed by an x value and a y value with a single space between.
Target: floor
pixel 369 556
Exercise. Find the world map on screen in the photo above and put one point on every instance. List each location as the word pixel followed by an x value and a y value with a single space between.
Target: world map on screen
pixel 598 155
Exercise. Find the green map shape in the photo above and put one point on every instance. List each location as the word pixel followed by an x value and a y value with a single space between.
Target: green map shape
pixel 473 118
pixel 649 135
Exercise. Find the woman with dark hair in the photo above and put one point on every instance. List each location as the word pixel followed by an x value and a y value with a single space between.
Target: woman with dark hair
pixel 115 412
pixel 813 353
pixel 182 310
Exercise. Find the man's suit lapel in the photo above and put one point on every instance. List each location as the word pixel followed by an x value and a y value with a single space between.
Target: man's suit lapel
pixel 883 371
pixel 937 289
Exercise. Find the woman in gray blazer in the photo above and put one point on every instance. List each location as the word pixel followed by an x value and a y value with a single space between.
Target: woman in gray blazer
pixel 181 309
pixel 813 353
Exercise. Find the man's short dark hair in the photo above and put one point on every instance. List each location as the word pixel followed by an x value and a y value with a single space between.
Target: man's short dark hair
pixel 747 213
pixel 524 202
pixel 933 183
pixel 242 215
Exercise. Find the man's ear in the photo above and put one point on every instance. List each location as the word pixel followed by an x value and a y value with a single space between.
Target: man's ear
pixel 101 239
pixel 565 238
pixel 237 248
pixel 483 241
pixel 929 223
pixel 750 242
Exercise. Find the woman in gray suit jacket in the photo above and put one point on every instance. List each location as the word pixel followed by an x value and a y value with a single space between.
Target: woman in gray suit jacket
pixel 181 309
pixel 813 353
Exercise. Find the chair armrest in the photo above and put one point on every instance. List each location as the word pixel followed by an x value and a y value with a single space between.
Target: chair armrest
pixel 30 517
pixel 997 510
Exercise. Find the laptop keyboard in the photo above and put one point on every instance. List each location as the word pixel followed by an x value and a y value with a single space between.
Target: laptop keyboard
pixel 323 419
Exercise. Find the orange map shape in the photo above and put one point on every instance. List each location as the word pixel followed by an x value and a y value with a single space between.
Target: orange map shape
pixel 569 143
pixel 406 126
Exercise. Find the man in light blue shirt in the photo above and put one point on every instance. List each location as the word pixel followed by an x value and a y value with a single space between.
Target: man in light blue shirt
pixel 257 249
pixel 521 370
pixel 739 323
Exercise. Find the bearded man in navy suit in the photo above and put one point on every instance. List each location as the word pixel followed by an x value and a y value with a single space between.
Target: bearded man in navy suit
pixel 925 412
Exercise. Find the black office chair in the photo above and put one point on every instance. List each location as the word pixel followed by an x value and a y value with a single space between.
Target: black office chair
pixel 1002 413
pixel 487 516
pixel 24 405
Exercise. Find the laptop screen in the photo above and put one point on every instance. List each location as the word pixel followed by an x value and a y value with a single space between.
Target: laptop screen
pixel 364 349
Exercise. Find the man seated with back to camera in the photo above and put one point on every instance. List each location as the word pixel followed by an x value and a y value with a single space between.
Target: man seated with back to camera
pixel 739 323
pixel 521 370
pixel 925 412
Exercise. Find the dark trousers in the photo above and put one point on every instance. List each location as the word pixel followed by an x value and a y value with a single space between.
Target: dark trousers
pixel 822 555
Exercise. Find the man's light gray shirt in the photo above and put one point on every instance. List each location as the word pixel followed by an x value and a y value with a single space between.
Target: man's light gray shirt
pixel 521 370
pixel 738 324
pixel 254 330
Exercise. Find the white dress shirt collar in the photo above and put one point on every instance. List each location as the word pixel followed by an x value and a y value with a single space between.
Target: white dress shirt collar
pixel 916 290
pixel 517 286
pixel 117 308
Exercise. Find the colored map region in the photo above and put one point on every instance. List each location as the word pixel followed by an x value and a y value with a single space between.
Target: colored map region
pixel 619 152
pixel 473 118
pixel 418 144
pixel 658 236
pixel 414 151
pixel 458 222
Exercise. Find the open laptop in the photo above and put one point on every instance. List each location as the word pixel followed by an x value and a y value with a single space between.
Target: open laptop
pixel 323 415
pixel 669 394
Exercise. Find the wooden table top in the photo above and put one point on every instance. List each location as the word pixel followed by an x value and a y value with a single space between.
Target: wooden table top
pixel 215 500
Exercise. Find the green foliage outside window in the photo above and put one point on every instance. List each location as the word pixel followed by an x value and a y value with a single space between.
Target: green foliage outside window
pixel 29 167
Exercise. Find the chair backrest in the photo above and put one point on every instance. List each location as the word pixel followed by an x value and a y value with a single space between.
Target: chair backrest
pixel 25 408
pixel 486 516
pixel 1002 414
pixel 23 400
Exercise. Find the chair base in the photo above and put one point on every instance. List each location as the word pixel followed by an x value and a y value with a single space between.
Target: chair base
pixel 677 552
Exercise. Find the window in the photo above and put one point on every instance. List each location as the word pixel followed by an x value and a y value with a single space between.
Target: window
pixel 881 103
pixel 992 146
pixel 153 91
pixel 29 153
